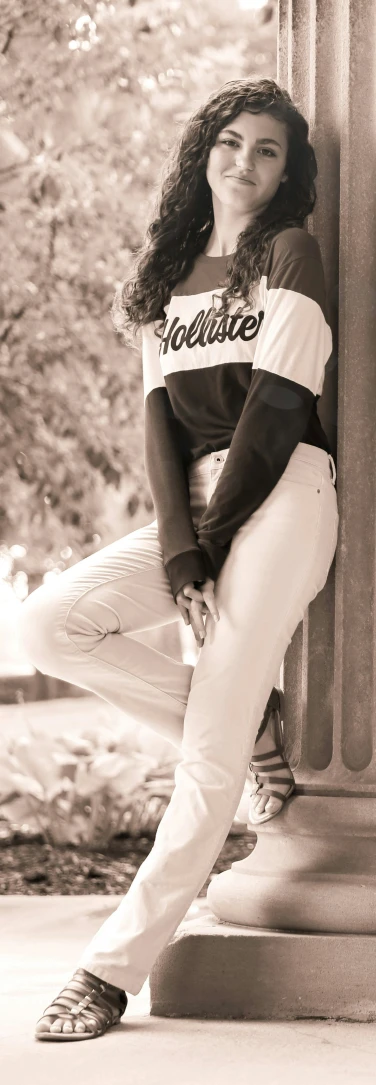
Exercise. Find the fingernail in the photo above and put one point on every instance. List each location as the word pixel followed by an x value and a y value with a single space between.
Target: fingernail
pixel 216 618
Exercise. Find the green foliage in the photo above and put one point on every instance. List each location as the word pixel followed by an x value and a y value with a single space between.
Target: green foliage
pixel 93 94
pixel 79 789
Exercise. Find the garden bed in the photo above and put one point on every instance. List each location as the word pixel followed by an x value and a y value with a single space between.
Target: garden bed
pixel 30 867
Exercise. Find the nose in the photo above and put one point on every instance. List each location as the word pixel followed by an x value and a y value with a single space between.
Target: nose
pixel 243 160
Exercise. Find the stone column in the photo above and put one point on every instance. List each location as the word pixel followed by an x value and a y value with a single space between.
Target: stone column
pixel 292 928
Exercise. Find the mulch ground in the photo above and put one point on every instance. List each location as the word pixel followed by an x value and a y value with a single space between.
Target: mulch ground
pixel 33 868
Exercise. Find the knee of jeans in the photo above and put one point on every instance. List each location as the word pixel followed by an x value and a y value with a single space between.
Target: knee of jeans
pixel 38 629
pixel 211 774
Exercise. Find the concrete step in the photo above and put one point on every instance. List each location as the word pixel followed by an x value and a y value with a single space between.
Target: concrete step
pixel 40 939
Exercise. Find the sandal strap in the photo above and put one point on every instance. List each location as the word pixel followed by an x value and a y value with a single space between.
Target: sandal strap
pixel 274 704
pixel 264 756
pixel 278 780
pixel 103 1016
pixel 92 1005
pixel 108 993
pixel 86 1015
pixel 266 771
pixel 278 794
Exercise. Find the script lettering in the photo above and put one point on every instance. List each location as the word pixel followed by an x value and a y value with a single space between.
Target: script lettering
pixel 207 328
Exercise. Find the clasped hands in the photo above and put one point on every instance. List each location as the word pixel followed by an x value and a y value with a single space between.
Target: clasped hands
pixel 194 603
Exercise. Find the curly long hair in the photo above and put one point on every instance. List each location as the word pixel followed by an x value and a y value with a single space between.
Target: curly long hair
pixel 184 216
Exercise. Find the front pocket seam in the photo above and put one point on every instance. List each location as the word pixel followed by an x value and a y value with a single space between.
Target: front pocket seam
pixel 303 482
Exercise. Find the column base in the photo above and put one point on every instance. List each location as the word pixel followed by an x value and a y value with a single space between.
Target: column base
pixel 213 969
pixel 312 870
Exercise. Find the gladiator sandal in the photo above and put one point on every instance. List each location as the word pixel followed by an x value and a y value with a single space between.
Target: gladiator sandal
pixel 101 1007
pixel 261 774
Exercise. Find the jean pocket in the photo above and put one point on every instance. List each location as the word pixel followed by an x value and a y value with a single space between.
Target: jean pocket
pixel 303 473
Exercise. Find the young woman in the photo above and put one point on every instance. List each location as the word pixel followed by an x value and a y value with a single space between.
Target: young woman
pixel 229 292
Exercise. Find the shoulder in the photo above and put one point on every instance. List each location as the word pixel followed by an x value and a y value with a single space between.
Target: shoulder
pixel 294 243
pixel 294 265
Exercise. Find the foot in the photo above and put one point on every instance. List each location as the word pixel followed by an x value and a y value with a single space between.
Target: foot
pixel 263 803
pixel 104 1004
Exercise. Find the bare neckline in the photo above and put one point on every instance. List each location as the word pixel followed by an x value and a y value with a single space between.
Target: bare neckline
pixel 226 256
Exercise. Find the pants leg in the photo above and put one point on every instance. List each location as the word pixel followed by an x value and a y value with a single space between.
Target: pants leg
pixel 278 562
pixel 76 628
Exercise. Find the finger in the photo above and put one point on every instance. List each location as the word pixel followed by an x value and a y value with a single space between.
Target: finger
pixel 199 638
pixel 211 605
pixel 199 634
pixel 182 603
pixel 193 593
pixel 197 621
pixel 184 613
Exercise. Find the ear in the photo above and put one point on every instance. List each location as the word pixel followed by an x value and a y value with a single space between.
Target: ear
pixel 284 178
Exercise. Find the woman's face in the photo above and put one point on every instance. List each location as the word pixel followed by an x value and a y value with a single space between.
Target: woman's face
pixel 247 162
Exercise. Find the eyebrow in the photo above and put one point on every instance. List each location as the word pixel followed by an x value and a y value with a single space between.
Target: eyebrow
pixel 264 140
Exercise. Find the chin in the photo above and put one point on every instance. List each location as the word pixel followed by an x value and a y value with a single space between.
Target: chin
pixel 239 201
pixel 243 205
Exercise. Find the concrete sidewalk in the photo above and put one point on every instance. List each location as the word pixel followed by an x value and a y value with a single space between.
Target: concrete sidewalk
pixel 40 940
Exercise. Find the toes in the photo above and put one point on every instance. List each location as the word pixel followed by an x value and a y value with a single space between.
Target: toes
pixel 89 1024
pixel 56 1025
pixel 59 1025
pixel 43 1025
pixel 265 805
pixel 259 805
pixel 272 805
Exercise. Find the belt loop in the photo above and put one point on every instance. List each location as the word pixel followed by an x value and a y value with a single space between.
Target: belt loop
pixel 334 473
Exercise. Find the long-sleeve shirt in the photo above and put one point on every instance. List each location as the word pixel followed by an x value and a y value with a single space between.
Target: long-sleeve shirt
pixel 248 381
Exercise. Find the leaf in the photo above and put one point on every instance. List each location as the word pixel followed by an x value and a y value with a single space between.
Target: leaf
pixel 65 806
pixel 27 786
pixel 64 759
pixel 58 788
pixel 127 781
pixel 18 812
pixel 76 744
pixel 34 756
pixel 107 765
pixel 5 775
pixel 87 784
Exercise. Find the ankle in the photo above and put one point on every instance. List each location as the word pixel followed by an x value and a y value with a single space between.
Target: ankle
pixel 109 986
pixel 265 742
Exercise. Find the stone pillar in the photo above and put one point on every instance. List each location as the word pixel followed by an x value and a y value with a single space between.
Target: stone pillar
pixel 292 929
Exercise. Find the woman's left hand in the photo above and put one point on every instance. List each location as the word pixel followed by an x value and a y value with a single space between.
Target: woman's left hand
pixel 194 603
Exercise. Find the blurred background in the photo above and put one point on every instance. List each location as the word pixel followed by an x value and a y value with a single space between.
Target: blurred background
pixel 93 94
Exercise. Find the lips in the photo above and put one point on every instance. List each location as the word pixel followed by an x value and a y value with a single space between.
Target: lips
pixel 242 180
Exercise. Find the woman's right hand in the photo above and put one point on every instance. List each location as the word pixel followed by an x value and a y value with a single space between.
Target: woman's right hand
pixel 194 603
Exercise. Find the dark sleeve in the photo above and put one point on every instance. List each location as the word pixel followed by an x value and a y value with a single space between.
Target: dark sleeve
pixel 167 474
pixel 294 344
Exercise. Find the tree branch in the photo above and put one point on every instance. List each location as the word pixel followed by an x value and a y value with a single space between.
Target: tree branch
pixel 8 39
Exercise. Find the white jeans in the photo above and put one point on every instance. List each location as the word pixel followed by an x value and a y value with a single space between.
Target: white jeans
pixel 77 627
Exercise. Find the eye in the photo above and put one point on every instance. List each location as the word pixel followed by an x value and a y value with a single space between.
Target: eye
pixel 233 143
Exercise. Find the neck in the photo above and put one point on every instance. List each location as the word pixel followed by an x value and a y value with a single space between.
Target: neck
pixel 227 227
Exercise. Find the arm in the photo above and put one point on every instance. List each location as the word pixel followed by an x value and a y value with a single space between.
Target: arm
pixel 166 473
pixel 293 347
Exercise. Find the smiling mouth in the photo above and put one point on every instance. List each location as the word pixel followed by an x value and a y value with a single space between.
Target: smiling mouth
pixel 242 180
